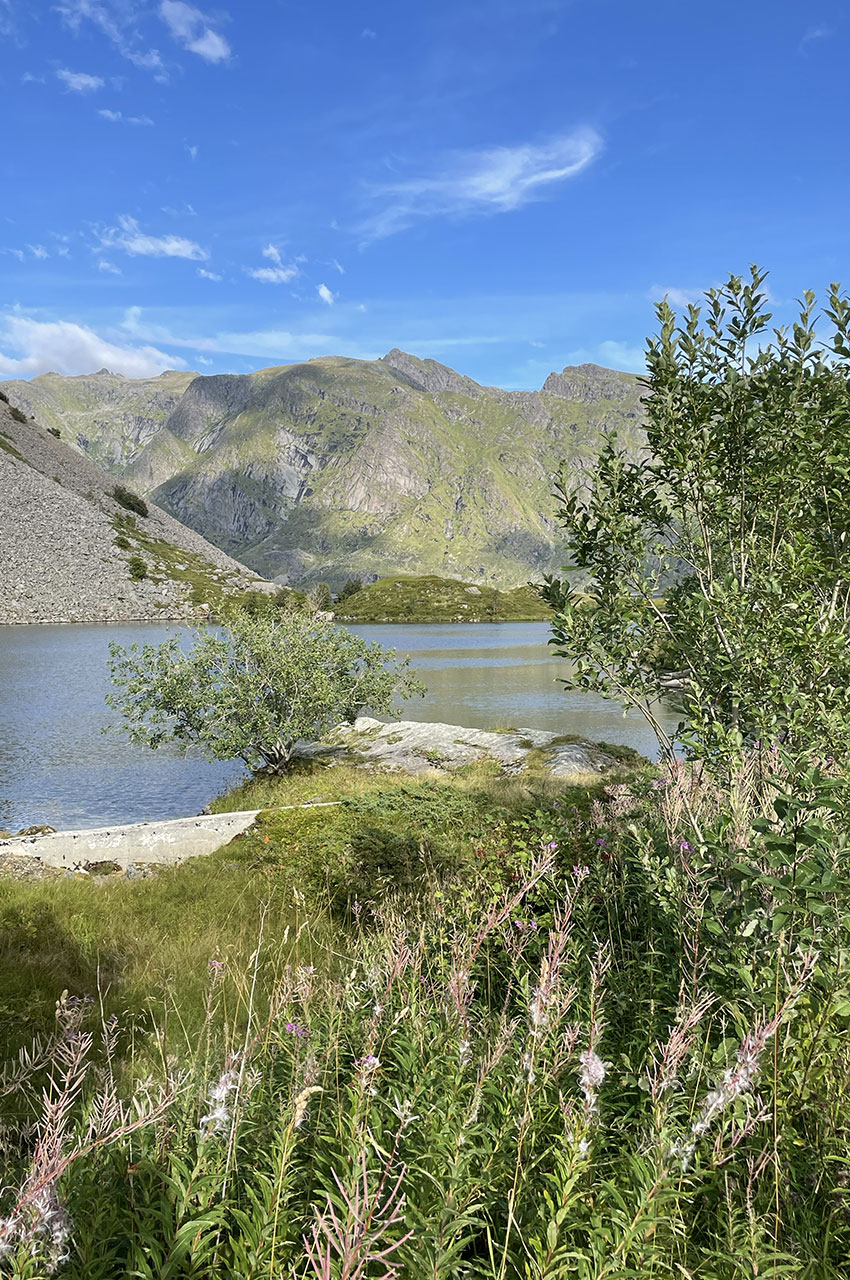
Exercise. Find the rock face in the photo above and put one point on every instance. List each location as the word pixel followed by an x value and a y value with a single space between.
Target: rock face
pixel 416 747
pixel 337 468
pixel 66 545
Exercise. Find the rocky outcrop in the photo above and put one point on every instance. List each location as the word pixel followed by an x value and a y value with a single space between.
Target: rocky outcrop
pixel 336 468
pixel 67 547
pixel 416 747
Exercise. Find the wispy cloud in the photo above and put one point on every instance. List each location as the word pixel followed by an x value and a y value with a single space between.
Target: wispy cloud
pixel 117 20
pixel 611 354
pixel 280 273
pixel 190 28
pixel 79 81
pixel 109 268
pixel 273 345
pixel 38 251
pixel 118 117
pixel 813 35
pixel 129 237
pixel 676 297
pixel 496 180
pixel 30 347
pixel 325 294
pixel 208 275
pixel 272 275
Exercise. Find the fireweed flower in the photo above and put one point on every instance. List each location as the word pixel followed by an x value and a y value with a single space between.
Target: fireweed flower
pixel 219 1115
pixel 590 1076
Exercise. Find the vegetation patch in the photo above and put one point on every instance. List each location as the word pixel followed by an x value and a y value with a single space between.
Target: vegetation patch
pixel 129 500
pixel 433 599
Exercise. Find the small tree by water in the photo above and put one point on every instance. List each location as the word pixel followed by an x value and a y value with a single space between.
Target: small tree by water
pixel 254 688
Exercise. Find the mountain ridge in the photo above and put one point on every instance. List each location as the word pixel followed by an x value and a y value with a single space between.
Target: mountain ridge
pixel 337 467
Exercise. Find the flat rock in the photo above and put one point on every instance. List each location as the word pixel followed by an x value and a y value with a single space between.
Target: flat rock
pixel 415 747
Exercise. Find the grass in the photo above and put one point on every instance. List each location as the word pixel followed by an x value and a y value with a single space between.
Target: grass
pixel 433 599
pixel 465 1029
pixel 139 939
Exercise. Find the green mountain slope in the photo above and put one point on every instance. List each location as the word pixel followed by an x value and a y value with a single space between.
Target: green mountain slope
pixel 106 416
pixel 339 467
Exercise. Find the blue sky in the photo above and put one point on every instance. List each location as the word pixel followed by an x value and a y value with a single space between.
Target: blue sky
pixel 502 185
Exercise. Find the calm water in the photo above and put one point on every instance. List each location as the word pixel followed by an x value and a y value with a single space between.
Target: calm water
pixel 56 765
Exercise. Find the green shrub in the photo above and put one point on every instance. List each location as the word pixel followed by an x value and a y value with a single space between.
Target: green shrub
pixel 121 542
pixel 138 568
pixel 54 431
pixel 17 413
pixel 129 500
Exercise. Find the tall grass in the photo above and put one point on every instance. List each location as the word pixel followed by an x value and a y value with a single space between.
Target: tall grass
pixel 569 1038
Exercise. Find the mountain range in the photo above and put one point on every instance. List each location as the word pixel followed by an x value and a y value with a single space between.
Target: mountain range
pixel 336 467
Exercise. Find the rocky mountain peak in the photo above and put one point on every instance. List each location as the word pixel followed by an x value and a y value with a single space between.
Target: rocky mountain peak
pixel 429 375
pixel 588 382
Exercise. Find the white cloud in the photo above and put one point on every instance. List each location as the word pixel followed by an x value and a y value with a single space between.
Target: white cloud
pixel 116 19
pixel 109 267
pixel 338 266
pixel 325 294
pixel 676 297
pixel 368 34
pixel 15 253
pixel 479 182
pixel 118 117
pixel 129 237
pixel 208 275
pixel 38 251
pixel 79 81
pixel 613 355
pixel 188 26
pixel 192 152
pixel 30 347
pixel 280 273
pixel 272 275
pixel 274 345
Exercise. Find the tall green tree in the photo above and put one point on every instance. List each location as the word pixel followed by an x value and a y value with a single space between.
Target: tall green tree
pixel 252 688
pixel 719 561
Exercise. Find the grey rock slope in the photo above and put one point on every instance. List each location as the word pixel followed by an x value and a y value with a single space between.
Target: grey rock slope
pixel 59 559
pixel 338 467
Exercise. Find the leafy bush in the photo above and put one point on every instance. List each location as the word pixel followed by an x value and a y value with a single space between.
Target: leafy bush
pixel 17 413
pixel 721 559
pixel 138 568
pixel 54 431
pixel 129 500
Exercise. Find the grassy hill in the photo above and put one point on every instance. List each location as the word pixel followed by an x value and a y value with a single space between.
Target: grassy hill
pixel 432 599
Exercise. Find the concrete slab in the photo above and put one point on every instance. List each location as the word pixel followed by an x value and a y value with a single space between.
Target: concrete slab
pixel 163 843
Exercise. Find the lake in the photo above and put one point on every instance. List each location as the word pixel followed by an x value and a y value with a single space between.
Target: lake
pixel 57 767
